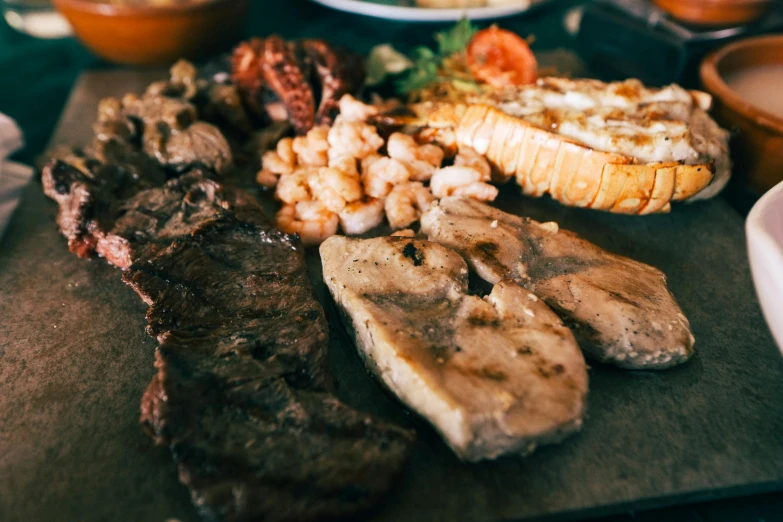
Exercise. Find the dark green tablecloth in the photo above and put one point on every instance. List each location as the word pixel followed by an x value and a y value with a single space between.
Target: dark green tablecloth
pixel 36 77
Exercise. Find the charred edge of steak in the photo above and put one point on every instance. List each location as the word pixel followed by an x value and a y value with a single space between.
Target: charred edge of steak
pixel 252 448
pixel 241 402
pixel 242 393
pixel 123 217
pixel 151 402
pixel 246 280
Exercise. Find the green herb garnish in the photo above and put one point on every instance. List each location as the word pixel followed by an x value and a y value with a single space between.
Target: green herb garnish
pixel 426 68
pixel 456 39
pixel 384 61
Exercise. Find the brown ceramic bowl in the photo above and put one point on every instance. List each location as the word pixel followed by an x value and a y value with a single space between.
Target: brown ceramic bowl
pixel 757 146
pixel 148 35
pixel 714 12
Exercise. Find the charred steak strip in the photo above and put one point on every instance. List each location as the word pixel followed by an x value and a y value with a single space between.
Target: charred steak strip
pixel 252 447
pixel 242 394
pixel 243 281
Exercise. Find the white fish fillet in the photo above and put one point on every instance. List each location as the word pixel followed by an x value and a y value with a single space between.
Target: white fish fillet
pixel 494 376
pixel 619 309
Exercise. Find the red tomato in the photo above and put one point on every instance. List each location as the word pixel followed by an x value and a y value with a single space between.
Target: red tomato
pixel 499 58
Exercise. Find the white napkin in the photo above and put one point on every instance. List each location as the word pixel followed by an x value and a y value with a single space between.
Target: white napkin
pixel 13 176
pixel 10 137
pixel 13 180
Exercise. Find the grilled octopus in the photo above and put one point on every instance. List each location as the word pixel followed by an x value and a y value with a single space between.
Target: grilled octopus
pixel 298 81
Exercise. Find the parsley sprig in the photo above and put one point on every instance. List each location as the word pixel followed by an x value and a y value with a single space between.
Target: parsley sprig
pixel 426 68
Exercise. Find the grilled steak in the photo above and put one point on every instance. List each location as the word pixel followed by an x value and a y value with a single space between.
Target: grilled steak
pixel 252 447
pixel 494 376
pixel 242 281
pixel 619 309
pixel 242 396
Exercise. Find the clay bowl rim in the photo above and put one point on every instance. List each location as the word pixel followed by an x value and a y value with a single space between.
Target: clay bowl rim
pixel 714 82
pixel 106 9
pixel 727 3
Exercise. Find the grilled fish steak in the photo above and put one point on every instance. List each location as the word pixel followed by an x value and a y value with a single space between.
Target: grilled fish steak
pixel 494 376
pixel 243 394
pixel 619 309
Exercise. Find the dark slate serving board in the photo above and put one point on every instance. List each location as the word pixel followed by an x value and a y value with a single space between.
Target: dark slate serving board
pixel 74 361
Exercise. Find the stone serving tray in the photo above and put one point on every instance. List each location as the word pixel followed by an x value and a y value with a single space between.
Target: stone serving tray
pixel 74 361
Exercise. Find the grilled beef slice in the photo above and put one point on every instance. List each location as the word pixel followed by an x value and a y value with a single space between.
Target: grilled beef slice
pixel 252 447
pixel 242 394
pixel 116 215
pixel 241 280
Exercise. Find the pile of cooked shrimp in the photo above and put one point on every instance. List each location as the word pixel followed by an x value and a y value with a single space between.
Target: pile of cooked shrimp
pixel 348 177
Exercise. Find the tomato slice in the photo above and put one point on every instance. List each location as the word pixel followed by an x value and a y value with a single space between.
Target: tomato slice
pixel 499 57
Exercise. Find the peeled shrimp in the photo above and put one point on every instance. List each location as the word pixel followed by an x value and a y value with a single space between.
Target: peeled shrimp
pixel 478 191
pixel 294 187
pixel 346 164
pixel 275 163
pixel 334 188
pixel 282 160
pixel 382 174
pixel 309 219
pixel 406 203
pixel 355 139
pixel 312 148
pixel 421 160
pixel 352 109
pixel 461 181
pixel 360 216
pixel 368 160
pixel 267 178
pixel 467 157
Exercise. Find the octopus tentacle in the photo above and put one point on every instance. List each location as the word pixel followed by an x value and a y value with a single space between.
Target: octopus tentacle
pixel 282 74
pixel 246 73
pixel 331 75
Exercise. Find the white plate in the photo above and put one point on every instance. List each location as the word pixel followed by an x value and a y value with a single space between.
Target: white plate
pixel 392 10
pixel 764 228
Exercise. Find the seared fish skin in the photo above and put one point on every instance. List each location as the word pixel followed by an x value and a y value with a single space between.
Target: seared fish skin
pixel 494 376
pixel 619 309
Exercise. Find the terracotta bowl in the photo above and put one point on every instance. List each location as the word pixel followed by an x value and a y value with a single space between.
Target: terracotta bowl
pixel 757 146
pixel 147 35
pixel 714 12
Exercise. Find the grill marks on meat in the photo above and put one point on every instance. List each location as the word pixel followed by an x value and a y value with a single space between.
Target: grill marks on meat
pixel 86 192
pixel 122 218
pixel 494 376
pixel 252 447
pixel 242 366
pixel 619 309
pixel 243 281
pixel 242 396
